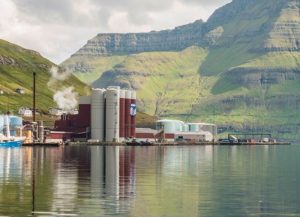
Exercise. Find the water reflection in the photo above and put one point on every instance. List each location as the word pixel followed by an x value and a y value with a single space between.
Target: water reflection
pixel 150 181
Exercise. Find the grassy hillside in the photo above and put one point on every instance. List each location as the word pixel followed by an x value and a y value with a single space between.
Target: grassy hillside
pixel 16 68
pixel 168 82
pixel 89 69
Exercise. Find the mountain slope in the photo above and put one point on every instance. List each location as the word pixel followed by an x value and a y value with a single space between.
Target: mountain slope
pixel 16 67
pixel 240 69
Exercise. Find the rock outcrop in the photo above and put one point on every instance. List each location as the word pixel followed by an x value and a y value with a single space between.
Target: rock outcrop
pixel 120 44
pixel 285 33
pixel 7 60
pixel 277 25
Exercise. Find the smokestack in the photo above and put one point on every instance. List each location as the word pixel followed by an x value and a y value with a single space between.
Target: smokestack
pixel 34 106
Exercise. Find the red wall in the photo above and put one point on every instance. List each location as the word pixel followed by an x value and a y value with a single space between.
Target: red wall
pixel 122 117
pixel 127 118
pixel 75 123
pixel 151 136
pixel 132 121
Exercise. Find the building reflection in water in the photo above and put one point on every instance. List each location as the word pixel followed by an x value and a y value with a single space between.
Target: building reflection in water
pixel 112 177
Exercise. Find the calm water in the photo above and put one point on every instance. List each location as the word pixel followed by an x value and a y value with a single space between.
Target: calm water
pixel 150 181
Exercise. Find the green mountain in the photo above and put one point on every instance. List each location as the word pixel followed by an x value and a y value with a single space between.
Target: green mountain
pixel 240 69
pixel 16 72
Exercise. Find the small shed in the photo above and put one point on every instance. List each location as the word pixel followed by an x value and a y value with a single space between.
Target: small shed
pixel 20 90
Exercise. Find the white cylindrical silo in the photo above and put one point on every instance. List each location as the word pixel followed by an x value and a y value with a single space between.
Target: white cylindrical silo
pixel 97 114
pixel 112 96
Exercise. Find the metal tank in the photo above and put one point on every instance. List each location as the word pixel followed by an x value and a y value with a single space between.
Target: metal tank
pixel 41 131
pixel 185 128
pixel 170 126
pixel 1 124
pixel 127 114
pixel 194 127
pixel 97 114
pixel 133 110
pixel 112 96
pixel 15 122
pixel 122 114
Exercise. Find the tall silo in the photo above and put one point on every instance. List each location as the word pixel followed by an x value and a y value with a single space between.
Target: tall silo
pixel 133 114
pixel 97 114
pixel 122 114
pixel 112 114
pixel 127 114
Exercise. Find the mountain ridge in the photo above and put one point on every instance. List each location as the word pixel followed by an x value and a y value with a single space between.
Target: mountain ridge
pixel 243 64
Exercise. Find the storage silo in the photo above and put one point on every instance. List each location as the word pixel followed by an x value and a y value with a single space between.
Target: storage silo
pixel 127 114
pixel 133 114
pixel 122 114
pixel 15 122
pixel 112 114
pixel 97 114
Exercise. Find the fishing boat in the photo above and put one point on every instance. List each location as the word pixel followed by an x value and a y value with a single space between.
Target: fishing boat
pixel 11 143
pixel 6 140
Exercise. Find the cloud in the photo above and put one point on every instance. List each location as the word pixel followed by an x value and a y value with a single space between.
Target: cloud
pixel 57 28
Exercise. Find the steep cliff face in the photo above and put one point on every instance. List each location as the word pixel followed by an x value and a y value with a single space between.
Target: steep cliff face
pixel 285 33
pixel 120 44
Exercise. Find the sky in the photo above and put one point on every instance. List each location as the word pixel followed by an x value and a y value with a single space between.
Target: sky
pixel 58 28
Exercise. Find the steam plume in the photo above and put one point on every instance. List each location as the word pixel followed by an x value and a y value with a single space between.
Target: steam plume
pixel 65 97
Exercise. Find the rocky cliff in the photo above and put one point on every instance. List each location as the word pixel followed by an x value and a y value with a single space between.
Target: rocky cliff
pixel 119 44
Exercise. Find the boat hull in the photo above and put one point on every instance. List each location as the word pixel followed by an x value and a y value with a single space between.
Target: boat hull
pixel 11 144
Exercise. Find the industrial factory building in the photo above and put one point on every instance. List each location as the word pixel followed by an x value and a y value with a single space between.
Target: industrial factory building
pixel 107 115
pixel 175 130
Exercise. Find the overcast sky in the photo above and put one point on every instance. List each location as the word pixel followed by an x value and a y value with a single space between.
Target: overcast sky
pixel 58 28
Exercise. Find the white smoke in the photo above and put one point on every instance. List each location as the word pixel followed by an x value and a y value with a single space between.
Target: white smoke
pixel 65 97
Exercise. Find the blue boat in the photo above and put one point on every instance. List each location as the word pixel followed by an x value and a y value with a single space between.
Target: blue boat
pixel 11 144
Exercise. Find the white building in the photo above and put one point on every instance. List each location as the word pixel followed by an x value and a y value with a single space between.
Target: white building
pixel 25 112
pixel 188 131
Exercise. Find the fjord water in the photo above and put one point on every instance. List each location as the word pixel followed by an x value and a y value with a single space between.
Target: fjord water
pixel 150 181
